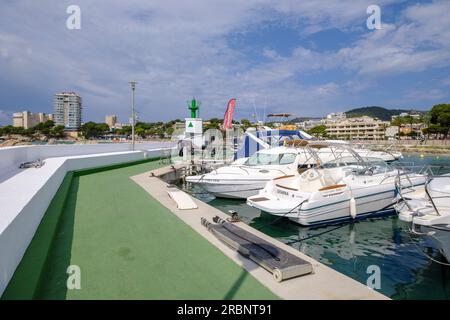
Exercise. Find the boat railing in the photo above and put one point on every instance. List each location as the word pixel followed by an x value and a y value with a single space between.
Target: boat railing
pixel 431 173
pixel 430 198
pixel 390 148
pixel 405 170
pixel 400 174
pixel 399 189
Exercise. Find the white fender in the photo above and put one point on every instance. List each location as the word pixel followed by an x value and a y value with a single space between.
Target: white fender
pixel 353 207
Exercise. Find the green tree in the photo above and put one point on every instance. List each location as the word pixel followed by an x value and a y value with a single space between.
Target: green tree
pixel 440 118
pixel 43 127
pixel 91 129
pixel 211 125
pixel 437 110
pixel 140 131
pixel 245 124
pixel 444 119
pixel 318 131
pixel 29 132
pixel 170 131
pixel 124 130
pixel 57 132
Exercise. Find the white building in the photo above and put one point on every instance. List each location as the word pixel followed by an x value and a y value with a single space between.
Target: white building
pixel 357 128
pixel 336 116
pixel 67 110
pixel 27 120
pixel 309 124
pixel 391 132
pixel 406 114
pixel 111 121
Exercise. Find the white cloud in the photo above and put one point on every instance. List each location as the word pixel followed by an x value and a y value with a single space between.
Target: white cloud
pixel 316 15
pixel 431 23
pixel 177 49
pixel 420 41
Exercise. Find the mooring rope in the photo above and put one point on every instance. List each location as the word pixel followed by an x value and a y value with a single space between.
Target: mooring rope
pixel 419 249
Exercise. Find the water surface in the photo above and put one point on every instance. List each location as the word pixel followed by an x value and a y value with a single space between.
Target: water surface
pixel 406 272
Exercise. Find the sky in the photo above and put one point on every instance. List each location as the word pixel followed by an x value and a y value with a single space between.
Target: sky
pixel 307 58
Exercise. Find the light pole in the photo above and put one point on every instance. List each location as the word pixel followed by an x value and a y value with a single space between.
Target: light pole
pixel 133 89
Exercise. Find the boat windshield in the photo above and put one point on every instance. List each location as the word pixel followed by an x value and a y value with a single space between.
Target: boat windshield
pixel 369 165
pixel 264 159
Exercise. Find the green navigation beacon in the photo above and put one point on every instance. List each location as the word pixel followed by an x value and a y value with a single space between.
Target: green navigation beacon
pixel 194 125
pixel 194 106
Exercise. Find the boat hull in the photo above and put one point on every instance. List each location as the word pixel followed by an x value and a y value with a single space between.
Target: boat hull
pixel 367 204
pixel 233 189
pixel 318 213
pixel 441 237
pixel 333 206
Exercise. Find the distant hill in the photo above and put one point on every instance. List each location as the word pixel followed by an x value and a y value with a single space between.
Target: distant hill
pixel 301 119
pixel 377 112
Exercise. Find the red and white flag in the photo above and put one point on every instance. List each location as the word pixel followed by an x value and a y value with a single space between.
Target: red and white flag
pixel 228 118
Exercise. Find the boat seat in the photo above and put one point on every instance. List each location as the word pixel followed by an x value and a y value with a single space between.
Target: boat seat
pixel 310 181
pixel 331 177
pixel 287 182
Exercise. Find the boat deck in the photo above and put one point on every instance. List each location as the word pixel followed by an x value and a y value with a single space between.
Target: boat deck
pixel 127 246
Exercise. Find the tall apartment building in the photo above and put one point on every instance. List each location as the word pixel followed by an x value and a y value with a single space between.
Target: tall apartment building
pixel 357 128
pixel 27 120
pixel 67 110
pixel 111 120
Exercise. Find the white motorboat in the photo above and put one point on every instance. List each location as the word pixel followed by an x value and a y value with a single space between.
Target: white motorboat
pixel 383 155
pixel 349 187
pixel 428 210
pixel 247 176
pixel 387 155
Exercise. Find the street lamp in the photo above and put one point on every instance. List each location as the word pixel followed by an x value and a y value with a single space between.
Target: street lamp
pixel 133 117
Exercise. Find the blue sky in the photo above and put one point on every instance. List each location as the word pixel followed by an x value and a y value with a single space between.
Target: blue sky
pixel 304 57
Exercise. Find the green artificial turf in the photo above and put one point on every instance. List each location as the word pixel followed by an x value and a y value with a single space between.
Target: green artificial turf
pixel 127 245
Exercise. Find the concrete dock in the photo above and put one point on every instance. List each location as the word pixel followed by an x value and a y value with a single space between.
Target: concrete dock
pixel 323 283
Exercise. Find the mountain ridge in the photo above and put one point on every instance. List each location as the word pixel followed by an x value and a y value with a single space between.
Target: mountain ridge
pixel 378 112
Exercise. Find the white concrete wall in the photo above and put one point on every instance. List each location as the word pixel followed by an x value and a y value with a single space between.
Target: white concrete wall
pixel 12 157
pixel 25 198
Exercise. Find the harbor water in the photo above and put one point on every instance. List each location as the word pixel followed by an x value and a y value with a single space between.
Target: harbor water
pixel 355 249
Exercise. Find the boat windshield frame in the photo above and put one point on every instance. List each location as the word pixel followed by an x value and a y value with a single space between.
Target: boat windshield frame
pixel 368 165
pixel 337 150
pixel 275 159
